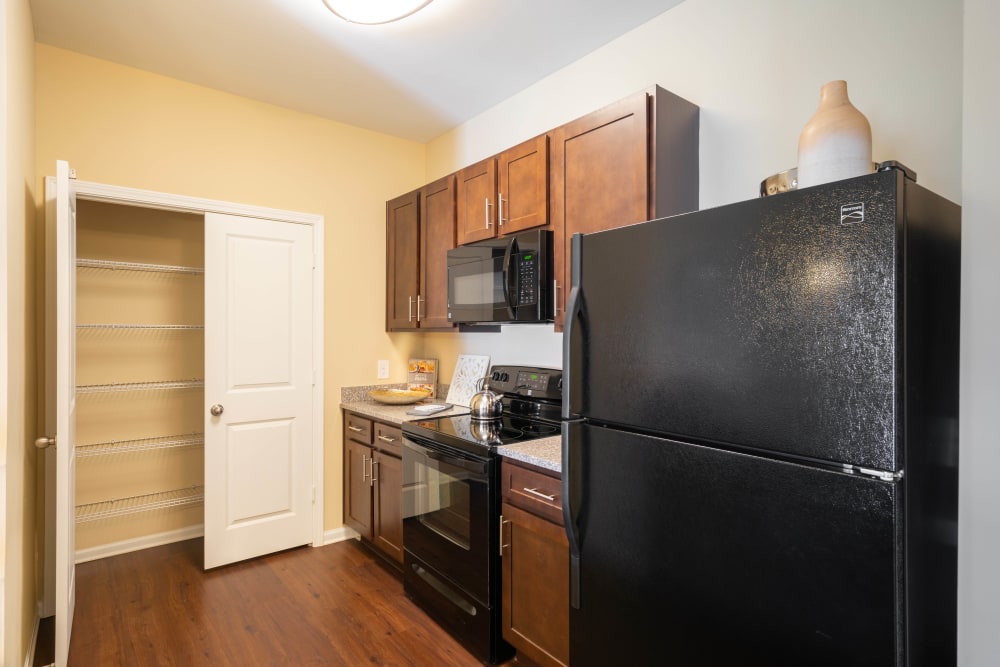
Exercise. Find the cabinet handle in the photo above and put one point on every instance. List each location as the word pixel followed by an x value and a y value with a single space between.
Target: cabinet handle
pixel 555 298
pixel 539 494
pixel 420 300
pixel 502 545
pixel 354 428
pixel 372 476
pixel 385 438
pixel 486 210
pixel 500 209
pixel 409 309
pixel 364 475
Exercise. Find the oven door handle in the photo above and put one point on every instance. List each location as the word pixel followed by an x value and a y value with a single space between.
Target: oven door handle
pixel 454 460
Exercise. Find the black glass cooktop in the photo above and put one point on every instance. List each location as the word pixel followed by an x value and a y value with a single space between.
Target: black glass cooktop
pixel 522 421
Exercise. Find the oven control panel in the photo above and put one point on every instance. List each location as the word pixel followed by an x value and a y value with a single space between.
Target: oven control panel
pixel 527 381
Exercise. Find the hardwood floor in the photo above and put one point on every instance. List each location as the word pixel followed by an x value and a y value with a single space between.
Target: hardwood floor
pixel 332 605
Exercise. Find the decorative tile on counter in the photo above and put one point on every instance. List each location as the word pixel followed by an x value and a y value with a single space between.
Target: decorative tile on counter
pixel 544 452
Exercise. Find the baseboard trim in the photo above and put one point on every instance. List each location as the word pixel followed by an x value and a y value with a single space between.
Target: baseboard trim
pixel 341 534
pixel 145 542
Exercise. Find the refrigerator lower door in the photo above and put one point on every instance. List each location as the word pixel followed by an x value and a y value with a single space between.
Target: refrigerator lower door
pixel 694 556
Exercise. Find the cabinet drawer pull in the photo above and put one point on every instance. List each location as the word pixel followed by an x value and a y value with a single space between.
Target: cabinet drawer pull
pixel 555 298
pixel 385 438
pixel 372 479
pixel 536 492
pixel 486 210
pixel 500 209
pixel 409 309
pixel 364 460
pixel 420 300
pixel 355 429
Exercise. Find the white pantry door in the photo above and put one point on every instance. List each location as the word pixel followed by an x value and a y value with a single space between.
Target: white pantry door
pixel 258 387
pixel 60 209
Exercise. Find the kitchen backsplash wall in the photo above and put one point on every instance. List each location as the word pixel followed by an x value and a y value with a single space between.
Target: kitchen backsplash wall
pixel 526 344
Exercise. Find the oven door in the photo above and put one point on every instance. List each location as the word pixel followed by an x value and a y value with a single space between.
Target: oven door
pixel 446 513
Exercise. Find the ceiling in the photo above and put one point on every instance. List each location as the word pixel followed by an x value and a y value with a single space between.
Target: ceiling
pixel 416 78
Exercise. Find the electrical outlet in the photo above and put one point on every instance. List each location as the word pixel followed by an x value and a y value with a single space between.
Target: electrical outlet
pixel 383 369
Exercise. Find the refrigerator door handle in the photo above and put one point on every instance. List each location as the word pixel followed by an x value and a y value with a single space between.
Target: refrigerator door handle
pixel 570 460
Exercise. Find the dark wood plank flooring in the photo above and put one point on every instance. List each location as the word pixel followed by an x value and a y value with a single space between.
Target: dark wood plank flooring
pixel 331 605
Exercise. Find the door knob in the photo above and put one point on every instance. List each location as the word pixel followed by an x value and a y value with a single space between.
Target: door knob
pixel 216 410
pixel 44 442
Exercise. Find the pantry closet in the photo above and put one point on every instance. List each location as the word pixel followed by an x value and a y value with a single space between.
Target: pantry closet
pixel 184 377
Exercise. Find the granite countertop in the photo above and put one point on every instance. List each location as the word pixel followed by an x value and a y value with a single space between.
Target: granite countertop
pixel 544 452
pixel 395 414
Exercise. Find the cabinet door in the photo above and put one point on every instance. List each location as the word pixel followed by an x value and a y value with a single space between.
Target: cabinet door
pixel 523 194
pixel 357 487
pixel 402 226
pixel 535 587
pixel 437 227
pixel 387 528
pixel 600 179
pixel 476 189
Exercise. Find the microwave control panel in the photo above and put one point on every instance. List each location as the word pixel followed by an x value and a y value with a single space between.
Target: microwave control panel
pixel 527 279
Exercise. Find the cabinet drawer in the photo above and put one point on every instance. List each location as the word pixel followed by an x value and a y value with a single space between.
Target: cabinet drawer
pixel 536 492
pixel 358 429
pixel 389 439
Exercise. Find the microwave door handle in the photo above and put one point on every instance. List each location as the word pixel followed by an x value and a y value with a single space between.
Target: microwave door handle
pixel 509 295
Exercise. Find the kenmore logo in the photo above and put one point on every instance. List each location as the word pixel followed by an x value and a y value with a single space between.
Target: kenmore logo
pixel 851 214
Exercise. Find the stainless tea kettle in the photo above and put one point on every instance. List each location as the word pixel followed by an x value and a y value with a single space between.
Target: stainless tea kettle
pixel 485 404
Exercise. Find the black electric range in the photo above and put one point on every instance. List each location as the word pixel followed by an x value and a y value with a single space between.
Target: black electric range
pixel 451 505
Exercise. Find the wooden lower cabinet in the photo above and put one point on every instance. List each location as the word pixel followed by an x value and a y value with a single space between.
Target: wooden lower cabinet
pixel 373 483
pixel 387 512
pixel 535 557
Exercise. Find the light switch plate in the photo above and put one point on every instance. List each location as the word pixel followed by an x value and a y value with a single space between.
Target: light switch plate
pixel 383 369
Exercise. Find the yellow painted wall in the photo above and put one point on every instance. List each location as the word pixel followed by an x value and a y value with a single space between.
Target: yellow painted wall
pixel 17 368
pixel 127 127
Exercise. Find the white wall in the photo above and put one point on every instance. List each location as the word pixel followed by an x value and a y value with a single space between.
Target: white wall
pixel 755 69
pixel 979 470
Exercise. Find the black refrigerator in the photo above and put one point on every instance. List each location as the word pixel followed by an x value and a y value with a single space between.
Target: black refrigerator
pixel 761 462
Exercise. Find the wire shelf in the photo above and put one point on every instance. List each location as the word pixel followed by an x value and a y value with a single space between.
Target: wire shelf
pixel 115 507
pixel 140 445
pixel 145 327
pixel 139 386
pixel 133 266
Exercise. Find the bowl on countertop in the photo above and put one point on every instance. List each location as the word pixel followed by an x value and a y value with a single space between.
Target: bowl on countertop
pixel 398 396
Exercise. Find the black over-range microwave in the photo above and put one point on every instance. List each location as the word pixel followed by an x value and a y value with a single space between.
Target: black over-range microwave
pixel 503 280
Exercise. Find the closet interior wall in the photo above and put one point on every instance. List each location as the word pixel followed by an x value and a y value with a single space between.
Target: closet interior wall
pixel 140 371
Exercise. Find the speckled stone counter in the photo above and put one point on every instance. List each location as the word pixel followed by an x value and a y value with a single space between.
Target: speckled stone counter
pixel 356 399
pixel 544 453
pixel 394 414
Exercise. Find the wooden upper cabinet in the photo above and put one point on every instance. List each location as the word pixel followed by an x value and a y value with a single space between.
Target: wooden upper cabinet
pixel 505 194
pixel 437 228
pixel 420 230
pixel 476 189
pixel 523 188
pixel 632 161
pixel 402 225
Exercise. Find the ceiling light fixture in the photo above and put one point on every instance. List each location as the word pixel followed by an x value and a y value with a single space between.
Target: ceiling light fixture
pixel 374 12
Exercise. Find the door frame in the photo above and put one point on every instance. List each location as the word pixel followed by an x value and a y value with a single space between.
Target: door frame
pixel 112 194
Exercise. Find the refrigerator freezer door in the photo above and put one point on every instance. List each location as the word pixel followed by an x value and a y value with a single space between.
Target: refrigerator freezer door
pixel 699 557
pixel 769 324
